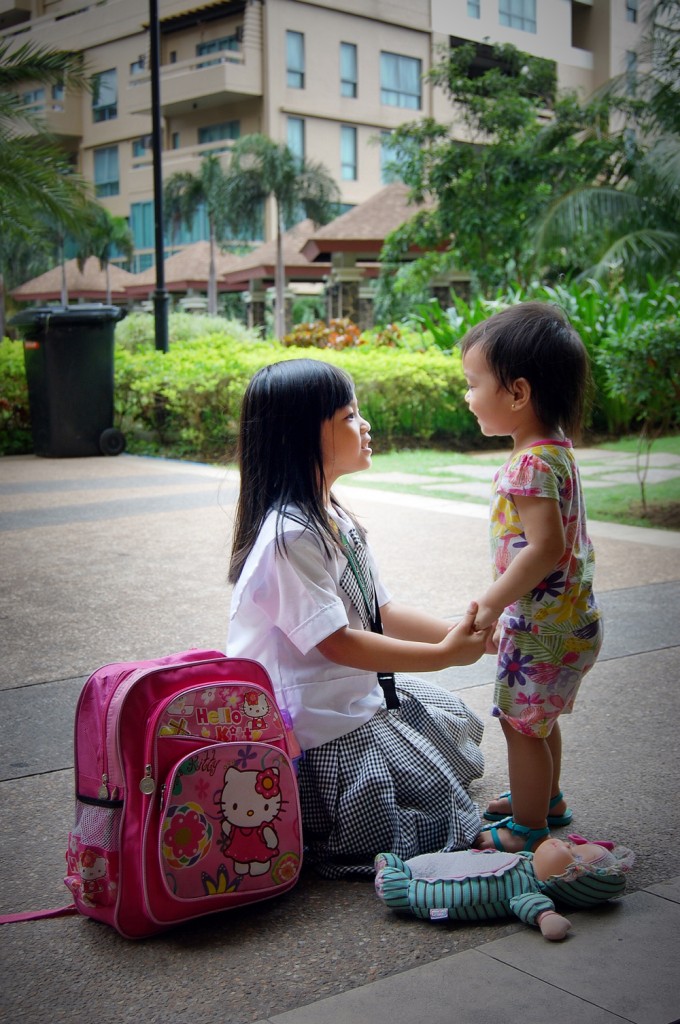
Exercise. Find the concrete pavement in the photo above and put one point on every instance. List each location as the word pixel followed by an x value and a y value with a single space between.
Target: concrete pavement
pixel 125 558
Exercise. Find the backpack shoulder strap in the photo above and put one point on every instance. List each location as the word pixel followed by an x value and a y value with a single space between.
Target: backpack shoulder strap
pixel 33 915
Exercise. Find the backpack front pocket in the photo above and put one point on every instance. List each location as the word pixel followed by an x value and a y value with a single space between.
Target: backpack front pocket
pixel 229 823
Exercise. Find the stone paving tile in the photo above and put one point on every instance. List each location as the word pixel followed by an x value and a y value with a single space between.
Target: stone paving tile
pixel 653 476
pixel 479 472
pixel 396 478
pixel 480 490
pixel 594 455
pixel 601 454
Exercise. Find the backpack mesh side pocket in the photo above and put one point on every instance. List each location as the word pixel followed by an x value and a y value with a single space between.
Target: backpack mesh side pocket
pixel 92 857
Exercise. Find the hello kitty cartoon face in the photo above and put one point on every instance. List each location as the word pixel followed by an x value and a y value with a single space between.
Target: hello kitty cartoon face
pixel 250 798
pixel 255 704
pixel 92 866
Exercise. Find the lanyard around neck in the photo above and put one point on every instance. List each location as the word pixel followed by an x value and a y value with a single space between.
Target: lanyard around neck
pixel 386 679
pixel 371 606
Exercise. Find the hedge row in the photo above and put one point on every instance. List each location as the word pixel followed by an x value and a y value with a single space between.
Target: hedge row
pixel 408 377
pixel 186 402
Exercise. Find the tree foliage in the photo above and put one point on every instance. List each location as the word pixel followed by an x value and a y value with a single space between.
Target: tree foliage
pixel 261 170
pixel 184 193
pixel 633 229
pixel 36 179
pixel 34 171
pixel 512 146
pixel 104 236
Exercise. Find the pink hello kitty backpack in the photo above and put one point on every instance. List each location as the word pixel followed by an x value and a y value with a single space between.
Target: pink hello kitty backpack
pixel 186 792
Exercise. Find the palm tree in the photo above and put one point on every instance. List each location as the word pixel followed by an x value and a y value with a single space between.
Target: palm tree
pixel 184 193
pixel 261 169
pixel 35 176
pixel 635 228
pixel 105 236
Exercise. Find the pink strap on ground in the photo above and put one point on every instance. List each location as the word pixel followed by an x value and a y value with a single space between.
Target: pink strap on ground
pixel 32 915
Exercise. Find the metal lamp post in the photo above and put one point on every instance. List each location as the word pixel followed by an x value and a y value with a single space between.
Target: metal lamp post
pixel 160 296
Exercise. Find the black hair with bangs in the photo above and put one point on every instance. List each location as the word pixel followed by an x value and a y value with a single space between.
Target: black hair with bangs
pixel 279 447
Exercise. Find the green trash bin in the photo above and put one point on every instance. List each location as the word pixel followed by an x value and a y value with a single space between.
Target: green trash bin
pixel 68 355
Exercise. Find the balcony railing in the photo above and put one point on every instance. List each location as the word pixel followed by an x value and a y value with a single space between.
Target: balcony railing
pixel 61 117
pixel 187 158
pixel 222 77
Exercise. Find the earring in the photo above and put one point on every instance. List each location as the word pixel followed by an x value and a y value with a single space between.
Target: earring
pixel 513 405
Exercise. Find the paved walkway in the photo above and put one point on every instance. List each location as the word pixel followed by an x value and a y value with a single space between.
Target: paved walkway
pixel 113 559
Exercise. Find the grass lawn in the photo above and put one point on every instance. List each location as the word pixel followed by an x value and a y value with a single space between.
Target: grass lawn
pixel 466 477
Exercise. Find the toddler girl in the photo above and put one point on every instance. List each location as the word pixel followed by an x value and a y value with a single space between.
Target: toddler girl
pixel 527 375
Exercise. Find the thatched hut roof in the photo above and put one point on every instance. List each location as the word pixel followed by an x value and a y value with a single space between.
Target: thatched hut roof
pixel 88 284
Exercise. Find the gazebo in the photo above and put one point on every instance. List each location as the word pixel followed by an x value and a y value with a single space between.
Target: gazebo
pixel 256 271
pixel 186 273
pixel 91 284
pixel 353 242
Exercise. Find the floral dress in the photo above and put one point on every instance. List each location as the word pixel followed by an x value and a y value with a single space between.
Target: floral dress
pixel 552 636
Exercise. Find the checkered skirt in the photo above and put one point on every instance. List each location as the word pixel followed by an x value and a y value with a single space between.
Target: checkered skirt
pixel 396 784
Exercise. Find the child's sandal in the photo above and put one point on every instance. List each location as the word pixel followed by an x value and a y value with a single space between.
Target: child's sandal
pixel 554 820
pixel 531 836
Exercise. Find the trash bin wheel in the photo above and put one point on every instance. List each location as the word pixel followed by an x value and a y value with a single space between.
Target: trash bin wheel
pixel 111 442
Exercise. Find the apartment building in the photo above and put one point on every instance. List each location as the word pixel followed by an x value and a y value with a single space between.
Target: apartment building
pixel 328 77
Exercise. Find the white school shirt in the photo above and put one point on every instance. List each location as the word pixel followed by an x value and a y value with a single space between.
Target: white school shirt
pixel 283 605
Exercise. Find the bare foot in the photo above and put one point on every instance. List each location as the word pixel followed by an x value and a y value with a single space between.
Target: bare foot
pixel 559 808
pixel 500 806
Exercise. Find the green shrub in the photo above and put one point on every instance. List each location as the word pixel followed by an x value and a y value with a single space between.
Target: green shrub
pixel 137 331
pixel 188 398
pixel 603 318
pixel 411 397
pixel 15 419
pixel 408 377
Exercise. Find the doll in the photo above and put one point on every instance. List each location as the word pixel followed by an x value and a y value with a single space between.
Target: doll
pixel 482 885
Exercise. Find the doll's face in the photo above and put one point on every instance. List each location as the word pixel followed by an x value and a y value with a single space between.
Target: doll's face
pixel 554 856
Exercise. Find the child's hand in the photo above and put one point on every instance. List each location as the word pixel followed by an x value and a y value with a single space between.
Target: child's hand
pixel 464 644
pixel 493 639
pixel 486 617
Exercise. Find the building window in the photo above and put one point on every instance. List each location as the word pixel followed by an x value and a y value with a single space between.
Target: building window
pixel 519 14
pixel 57 97
pixel 400 84
pixel 138 65
pixel 631 72
pixel 142 226
pixel 35 99
pixel 296 137
pixel 216 46
pixel 348 152
pixel 295 60
pixel 174 140
pixel 106 177
pixel 105 96
pixel 348 70
pixel 474 8
pixel 388 162
pixel 218 132
pixel 632 10
pixel 141 145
